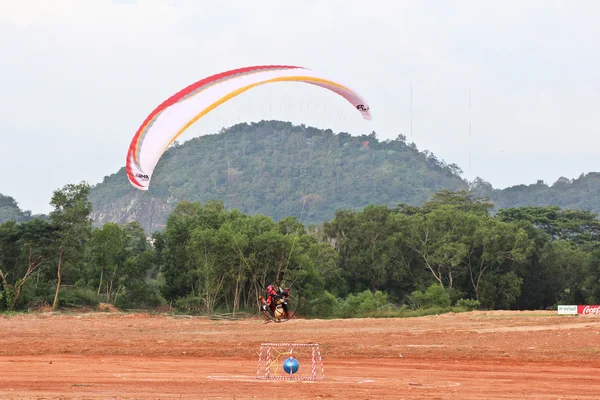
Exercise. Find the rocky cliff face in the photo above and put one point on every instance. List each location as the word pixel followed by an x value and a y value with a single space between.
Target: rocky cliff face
pixel 150 212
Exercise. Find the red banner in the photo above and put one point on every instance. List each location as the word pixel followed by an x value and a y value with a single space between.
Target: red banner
pixel 587 309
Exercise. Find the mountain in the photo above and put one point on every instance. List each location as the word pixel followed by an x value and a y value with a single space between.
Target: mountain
pixel 581 193
pixel 10 211
pixel 278 169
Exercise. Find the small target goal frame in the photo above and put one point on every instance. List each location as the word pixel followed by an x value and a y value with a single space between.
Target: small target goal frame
pixel 272 356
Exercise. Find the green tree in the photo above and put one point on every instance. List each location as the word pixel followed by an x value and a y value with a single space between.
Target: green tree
pixel 577 226
pixel 363 240
pixel 108 255
pixel 460 200
pixel 563 266
pixel 496 248
pixel 24 248
pixel 440 238
pixel 71 217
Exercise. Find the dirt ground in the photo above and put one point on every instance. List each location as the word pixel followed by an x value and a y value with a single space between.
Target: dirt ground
pixel 476 355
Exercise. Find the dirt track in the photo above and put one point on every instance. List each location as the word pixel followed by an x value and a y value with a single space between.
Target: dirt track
pixel 478 355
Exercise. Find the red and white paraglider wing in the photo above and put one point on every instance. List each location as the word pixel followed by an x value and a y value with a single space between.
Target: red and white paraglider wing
pixel 171 118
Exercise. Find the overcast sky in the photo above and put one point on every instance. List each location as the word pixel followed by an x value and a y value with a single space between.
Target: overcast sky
pixel 78 77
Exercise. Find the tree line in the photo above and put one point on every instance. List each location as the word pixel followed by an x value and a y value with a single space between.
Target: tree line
pixel 451 251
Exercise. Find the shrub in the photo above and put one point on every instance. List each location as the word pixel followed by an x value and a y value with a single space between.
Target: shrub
pixel 361 304
pixel 322 306
pixel 190 304
pixel 434 296
pixel 141 294
pixel 68 297
pixel 468 304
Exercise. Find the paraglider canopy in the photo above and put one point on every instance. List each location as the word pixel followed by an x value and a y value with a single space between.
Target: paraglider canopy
pixel 173 116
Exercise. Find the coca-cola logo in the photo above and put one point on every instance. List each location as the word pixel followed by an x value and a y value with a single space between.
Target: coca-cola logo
pixel 589 309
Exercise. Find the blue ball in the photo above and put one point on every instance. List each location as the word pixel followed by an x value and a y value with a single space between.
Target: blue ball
pixel 291 365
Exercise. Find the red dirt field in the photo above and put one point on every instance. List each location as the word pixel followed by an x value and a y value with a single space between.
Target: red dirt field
pixel 475 355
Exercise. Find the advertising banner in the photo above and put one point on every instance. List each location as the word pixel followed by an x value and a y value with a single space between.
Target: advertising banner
pixel 587 309
pixel 568 309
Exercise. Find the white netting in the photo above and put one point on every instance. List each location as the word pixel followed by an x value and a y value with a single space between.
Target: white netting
pixel 273 357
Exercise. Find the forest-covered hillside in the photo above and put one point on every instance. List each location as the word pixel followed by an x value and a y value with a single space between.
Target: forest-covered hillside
pixel 582 193
pixel 10 211
pixel 278 169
